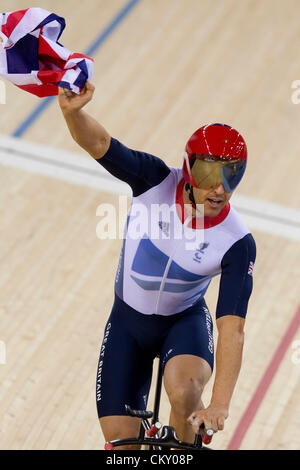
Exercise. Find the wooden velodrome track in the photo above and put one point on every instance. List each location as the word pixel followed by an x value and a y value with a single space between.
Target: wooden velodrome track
pixel 162 69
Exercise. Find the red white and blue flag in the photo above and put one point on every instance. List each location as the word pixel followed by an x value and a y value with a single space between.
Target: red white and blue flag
pixel 32 58
pixel 250 269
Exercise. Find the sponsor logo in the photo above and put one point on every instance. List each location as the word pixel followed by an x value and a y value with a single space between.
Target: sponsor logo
pixel 200 251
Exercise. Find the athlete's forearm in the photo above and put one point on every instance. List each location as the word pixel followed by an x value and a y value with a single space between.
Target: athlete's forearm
pixel 84 129
pixel 228 360
pixel 87 132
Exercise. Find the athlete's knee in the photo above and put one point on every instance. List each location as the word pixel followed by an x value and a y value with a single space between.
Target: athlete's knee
pixel 120 427
pixel 184 398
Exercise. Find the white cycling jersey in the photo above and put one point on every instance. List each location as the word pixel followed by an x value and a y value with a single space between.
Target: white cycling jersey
pixel 166 266
pixel 164 275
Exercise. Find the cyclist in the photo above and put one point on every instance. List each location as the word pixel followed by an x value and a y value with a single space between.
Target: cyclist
pixel 159 305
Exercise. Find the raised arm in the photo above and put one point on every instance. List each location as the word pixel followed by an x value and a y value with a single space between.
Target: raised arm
pixel 140 170
pixel 84 129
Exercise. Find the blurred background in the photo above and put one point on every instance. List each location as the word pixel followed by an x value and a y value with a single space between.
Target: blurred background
pixel 163 68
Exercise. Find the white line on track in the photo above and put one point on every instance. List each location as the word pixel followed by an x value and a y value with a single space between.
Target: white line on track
pixel 258 215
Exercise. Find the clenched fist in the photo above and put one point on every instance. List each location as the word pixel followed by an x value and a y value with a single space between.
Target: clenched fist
pixel 70 101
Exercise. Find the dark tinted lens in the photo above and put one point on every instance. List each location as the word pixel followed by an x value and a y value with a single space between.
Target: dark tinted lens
pixel 232 174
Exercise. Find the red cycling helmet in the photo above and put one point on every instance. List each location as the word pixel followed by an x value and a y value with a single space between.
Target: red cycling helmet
pixel 215 153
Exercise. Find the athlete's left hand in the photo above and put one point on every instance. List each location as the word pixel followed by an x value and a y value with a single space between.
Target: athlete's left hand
pixel 213 417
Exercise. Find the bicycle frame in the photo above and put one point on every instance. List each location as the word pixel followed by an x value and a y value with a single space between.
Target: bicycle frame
pixel 153 434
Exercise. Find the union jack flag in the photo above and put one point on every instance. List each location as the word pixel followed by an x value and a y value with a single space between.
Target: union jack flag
pixel 32 58
pixel 250 269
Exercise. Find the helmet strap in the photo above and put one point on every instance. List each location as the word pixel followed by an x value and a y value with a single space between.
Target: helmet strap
pixel 189 190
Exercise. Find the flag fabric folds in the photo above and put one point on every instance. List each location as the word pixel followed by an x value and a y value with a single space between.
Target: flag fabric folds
pixel 32 58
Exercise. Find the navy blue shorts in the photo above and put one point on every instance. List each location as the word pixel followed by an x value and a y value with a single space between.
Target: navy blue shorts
pixel 131 342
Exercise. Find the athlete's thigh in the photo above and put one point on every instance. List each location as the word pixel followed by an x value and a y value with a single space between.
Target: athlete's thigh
pixel 124 371
pixel 188 349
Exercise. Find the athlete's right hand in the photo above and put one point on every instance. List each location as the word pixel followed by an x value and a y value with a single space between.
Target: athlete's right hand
pixel 70 101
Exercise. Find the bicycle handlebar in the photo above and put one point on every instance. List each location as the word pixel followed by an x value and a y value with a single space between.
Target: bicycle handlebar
pixel 167 437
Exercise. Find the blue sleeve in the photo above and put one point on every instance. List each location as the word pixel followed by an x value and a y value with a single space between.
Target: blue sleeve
pixel 140 170
pixel 237 278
